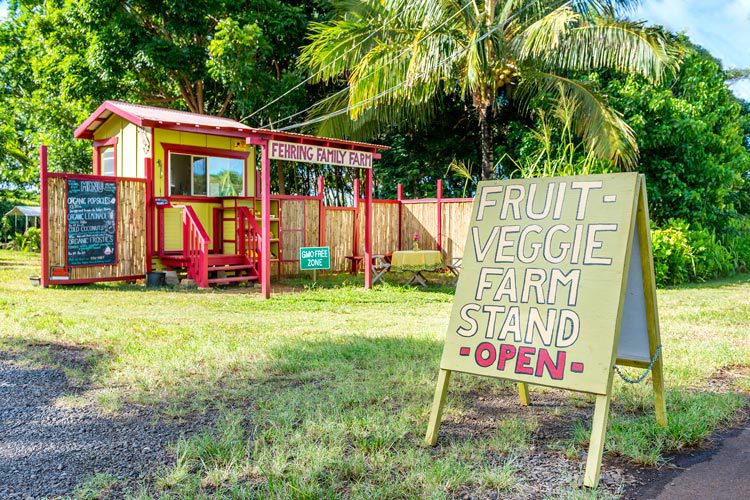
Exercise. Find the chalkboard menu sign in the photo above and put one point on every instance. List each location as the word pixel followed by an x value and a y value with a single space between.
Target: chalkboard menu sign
pixel 92 227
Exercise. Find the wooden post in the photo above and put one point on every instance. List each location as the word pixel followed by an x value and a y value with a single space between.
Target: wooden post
pixel 368 230
pixel 321 212
pixel 523 393
pixel 439 196
pixel 265 208
pixel 44 219
pixel 596 444
pixel 355 238
pixel 438 402
pixel 652 312
pixel 400 198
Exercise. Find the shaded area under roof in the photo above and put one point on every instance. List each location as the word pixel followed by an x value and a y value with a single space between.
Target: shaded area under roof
pixel 25 211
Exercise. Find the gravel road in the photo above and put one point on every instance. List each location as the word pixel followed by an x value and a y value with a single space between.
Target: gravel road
pixel 48 448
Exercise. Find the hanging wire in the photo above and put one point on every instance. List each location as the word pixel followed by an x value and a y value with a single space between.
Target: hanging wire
pixel 399 85
pixel 344 90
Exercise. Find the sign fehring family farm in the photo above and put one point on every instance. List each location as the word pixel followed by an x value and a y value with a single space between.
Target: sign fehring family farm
pixel 91 216
pixel 556 286
pixel 314 258
pixel 306 153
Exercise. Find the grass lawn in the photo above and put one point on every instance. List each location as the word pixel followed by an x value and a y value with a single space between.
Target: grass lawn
pixel 327 393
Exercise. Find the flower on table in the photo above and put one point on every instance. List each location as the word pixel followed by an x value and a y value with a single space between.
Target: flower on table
pixel 416 237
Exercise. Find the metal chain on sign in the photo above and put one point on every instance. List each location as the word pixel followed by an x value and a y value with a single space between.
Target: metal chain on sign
pixel 640 379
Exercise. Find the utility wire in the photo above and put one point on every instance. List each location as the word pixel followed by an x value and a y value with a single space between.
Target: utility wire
pixel 346 89
pixel 399 85
pixel 309 78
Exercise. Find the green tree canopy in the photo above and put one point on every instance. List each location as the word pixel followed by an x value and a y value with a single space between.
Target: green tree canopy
pixel 398 57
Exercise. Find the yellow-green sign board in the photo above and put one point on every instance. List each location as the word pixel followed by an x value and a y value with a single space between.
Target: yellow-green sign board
pixel 556 287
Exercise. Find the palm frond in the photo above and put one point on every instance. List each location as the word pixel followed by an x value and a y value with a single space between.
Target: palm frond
pixel 602 129
pixel 613 44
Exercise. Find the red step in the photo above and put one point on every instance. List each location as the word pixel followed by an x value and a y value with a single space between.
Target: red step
pixel 231 268
pixel 233 279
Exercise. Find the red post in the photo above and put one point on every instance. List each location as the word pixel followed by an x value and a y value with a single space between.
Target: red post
pixel 368 230
pixel 440 215
pixel 149 167
pixel 355 238
pixel 321 212
pixel 44 219
pixel 400 198
pixel 265 265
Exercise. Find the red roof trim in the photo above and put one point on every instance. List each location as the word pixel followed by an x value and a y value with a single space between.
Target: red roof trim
pixel 82 131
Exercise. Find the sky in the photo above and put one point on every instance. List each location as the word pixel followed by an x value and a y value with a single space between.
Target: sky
pixel 720 26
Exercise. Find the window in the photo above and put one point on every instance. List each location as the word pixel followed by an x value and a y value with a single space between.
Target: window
pixel 193 175
pixel 107 159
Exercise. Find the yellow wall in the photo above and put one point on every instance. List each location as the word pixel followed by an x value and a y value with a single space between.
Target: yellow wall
pixel 131 163
pixel 130 154
pixel 199 140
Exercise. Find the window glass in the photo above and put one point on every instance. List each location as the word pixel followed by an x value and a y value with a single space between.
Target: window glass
pixel 226 176
pixel 191 175
pixel 179 174
pixel 107 158
pixel 199 175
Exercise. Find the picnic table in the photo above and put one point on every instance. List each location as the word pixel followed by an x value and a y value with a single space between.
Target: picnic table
pixel 416 262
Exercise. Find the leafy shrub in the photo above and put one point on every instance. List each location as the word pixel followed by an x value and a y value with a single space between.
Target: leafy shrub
pixel 683 254
pixel 673 257
pixel 710 258
pixel 736 240
pixel 30 241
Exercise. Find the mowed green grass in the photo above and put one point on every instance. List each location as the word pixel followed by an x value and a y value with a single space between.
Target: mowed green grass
pixel 327 393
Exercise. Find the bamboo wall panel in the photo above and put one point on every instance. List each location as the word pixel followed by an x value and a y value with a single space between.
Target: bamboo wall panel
pixel 340 237
pixel 384 227
pixel 420 218
pixel 131 232
pixel 456 218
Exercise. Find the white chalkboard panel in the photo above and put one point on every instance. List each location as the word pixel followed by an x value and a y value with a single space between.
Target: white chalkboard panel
pixel 92 222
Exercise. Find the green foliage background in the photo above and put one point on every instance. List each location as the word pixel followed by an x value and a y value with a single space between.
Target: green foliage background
pixel 59 59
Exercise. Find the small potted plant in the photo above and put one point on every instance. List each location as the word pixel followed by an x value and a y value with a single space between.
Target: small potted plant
pixel 415 242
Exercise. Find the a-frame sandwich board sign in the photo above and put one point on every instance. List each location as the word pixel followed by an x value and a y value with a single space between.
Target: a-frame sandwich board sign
pixel 556 286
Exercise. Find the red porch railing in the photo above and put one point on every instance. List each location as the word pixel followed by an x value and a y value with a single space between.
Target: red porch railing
pixel 248 236
pixel 195 245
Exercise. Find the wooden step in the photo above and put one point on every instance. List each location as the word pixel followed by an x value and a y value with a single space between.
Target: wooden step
pixel 236 267
pixel 234 279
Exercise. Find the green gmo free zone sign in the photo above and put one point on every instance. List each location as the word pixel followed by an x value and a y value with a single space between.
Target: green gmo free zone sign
pixel 314 258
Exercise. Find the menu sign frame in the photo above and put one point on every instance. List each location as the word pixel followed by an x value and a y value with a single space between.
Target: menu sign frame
pixel 91 223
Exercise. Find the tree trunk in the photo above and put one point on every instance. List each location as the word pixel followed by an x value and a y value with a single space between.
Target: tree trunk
pixel 488 163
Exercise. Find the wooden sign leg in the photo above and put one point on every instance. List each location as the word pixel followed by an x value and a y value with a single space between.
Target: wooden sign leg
pixel 437 407
pixel 596 444
pixel 660 403
pixel 523 393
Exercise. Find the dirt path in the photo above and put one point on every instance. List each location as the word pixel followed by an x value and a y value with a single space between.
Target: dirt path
pixel 49 446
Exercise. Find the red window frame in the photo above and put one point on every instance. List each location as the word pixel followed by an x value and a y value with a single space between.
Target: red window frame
pixel 97 153
pixel 200 151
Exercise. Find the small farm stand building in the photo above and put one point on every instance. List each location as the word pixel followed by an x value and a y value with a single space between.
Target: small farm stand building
pixel 188 192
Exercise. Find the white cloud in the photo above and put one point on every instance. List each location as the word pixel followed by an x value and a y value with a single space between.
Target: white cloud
pixel 3 9
pixel 720 26
pixel 741 89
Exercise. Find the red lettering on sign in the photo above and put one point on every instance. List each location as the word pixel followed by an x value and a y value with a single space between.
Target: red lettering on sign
pixel 523 362
pixel 507 351
pixel 556 369
pixel 479 356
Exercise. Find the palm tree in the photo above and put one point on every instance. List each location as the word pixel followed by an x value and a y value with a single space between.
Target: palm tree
pixel 399 57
